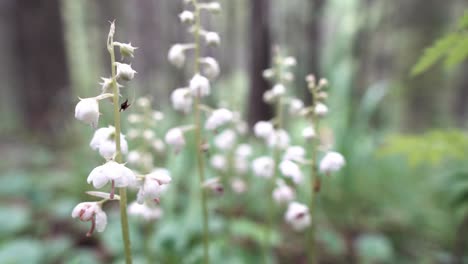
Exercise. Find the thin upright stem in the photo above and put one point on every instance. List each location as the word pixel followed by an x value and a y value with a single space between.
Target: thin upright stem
pixel 199 140
pixel 118 156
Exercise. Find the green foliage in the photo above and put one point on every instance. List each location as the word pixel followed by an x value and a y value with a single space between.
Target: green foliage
pixel 453 48
pixel 431 147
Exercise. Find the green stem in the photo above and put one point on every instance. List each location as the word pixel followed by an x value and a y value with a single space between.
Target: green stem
pixel 118 157
pixel 314 180
pixel 198 140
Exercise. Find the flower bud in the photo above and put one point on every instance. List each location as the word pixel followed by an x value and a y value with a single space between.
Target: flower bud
pixel 186 17
pixel 211 67
pixel 175 137
pixel 212 38
pixel 125 71
pixel 297 216
pixel 176 55
pixel 321 110
pixel 181 100
pixel 332 162
pixel 126 50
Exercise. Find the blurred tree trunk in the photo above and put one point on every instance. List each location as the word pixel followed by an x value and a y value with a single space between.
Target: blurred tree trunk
pixel 44 94
pixel 260 55
pixel 423 21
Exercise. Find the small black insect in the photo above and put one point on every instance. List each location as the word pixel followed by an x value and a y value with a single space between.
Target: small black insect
pixel 124 106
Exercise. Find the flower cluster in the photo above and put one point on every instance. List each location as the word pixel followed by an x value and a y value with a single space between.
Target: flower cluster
pixel 112 145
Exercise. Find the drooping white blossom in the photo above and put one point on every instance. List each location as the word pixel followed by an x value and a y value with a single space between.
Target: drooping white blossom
pixel 225 140
pixel 181 100
pixel 321 109
pixel 263 129
pixel 218 118
pixel 263 167
pixel 91 211
pixel 244 150
pixel 176 55
pixel 295 106
pixel 294 153
pixel 175 138
pixel 144 211
pixel 278 90
pixel 218 162
pixel 114 172
pixel 186 17
pixel 283 193
pixel 104 141
pixel 87 110
pixel 332 162
pixel 308 133
pixel 212 38
pixel 278 139
pixel 291 170
pixel 298 216
pixel 238 185
pixel 154 184
pixel 199 86
pixel 210 68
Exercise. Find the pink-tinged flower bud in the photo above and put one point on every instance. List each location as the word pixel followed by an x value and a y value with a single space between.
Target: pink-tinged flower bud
pixel 298 216
pixel 291 170
pixel 263 167
pixel 91 211
pixel 283 193
pixel 154 184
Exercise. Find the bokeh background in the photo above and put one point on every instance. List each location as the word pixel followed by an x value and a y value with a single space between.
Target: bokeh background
pixel 402 198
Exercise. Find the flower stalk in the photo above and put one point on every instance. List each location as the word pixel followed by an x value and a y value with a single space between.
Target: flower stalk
pixel 199 139
pixel 118 154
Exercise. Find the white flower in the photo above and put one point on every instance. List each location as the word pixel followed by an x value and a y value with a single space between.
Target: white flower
pixel 263 167
pixel 297 216
pixel 291 170
pixel 218 162
pixel 134 157
pixel 244 150
pixel 148 134
pixel 238 185
pixel 176 55
pixel 278 139
pixel 212 38
pixel 91 211
pixel 144 211
pixel 104 141
pixel 283 193
pixel 186 17
pixel 106 85
pixel 241 165
pixel 332 162
pixel 295 106
pixel 290 61
pixel 321 109
pixel 218 117
pixel 268 96
pixel 134 118
pixel 211 67
pixel 263 129
pixel 294 153
pixel 225 140
pixel 199 85
pixel 154 184
pixel 159 146
pixel 158 116
pixel 214 184
pixel 308 132
pixel 212 6
pixel 175 137
pixel 268 74
pixel 114 172
pixel 278 90
pixel 87 110
pixel 143 102
pixel 125 71
pixel 181 100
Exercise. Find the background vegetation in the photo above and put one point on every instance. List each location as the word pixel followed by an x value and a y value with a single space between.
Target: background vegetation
pixel 400 121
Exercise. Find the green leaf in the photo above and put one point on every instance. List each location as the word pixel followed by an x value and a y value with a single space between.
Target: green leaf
pixel 435 53
pixel 463 22
pixel 459 53
pixel 18 219
pixel 254 231
pixel 22 251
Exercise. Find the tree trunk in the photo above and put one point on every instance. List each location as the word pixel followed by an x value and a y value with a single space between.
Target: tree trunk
pixel 44 93
pixel 260 55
